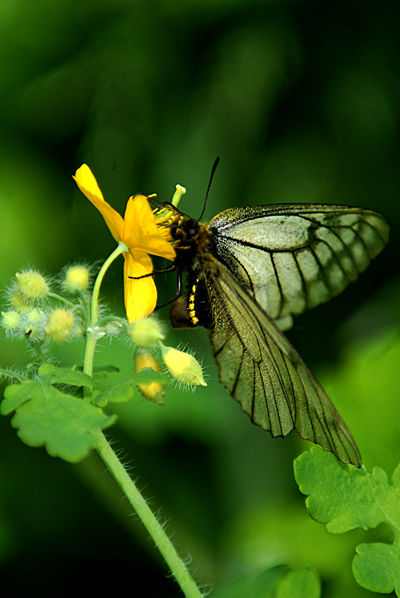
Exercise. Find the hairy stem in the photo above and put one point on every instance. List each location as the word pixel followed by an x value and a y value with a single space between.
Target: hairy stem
pixel 149 520
pixel 96 288
pixel 93 334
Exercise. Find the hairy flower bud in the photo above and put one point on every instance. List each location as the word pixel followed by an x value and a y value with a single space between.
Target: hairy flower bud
pixel 34 323
pixel 33 286
pixel 59 324
pixel 18 301
pixel 145 333
pixel 10 320
pixel 76 279
pixel 183 367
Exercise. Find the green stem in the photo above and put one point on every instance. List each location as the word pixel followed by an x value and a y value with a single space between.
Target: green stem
pixel 93 334
pixel 155 529
pixel 37 348
pixel 61 299
pixel 117 470
pixel 10 374
pixel 76 308
pixel 122 248
pixel 91 341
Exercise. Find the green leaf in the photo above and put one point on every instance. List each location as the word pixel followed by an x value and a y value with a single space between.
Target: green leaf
pixel 105 369
pixel 147 376
pixel 120 392
pixel 344 497
pixel 277 582
pixel 124 390
pixel 376 567
pixel 301 583
pixel 261 585
pixel 52 374
pixel 44 416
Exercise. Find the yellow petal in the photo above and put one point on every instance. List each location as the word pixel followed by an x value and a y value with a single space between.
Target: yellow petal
pixel 141 232
pixel 86 182
pixel 140 295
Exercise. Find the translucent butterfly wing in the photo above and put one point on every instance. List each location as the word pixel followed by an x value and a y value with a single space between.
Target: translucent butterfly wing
pixel 261 370
pixel 293 257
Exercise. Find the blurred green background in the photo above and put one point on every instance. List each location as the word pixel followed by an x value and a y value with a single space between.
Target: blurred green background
pixel 301 100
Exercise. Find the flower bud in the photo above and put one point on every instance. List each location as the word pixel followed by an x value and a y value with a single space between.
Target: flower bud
pixel 34 323
pixel 18 301
pixel 32 285
pixel 76 279
pixel 59 324
pixel 145 333
pixel 112 328
pixel 183 367
pixel 154 391
pixel 10 320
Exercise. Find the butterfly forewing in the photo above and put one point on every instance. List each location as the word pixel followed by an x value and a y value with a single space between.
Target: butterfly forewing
pixel 261 370
pixel 293 257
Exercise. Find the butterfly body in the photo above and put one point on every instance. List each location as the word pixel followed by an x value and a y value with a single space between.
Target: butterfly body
pixel 249 273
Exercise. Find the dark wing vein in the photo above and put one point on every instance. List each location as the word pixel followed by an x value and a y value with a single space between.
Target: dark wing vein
pixel 279 284
pixel 335 256
pixel 303 279
pixel 321 269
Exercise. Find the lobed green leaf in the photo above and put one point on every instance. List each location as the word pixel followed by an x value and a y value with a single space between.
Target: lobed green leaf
pixel 344 497
pixel 301 583
pixel 44 416
pixel 277 582
pixel 123 390
pixel 66 425
pixel 52 374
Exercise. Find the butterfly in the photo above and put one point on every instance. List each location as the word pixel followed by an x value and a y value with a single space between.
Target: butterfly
pixel 250 272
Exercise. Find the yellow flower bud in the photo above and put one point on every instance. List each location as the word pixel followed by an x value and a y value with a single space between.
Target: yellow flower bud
pixel 35 316
pixel 145 333
pixel 18 301
pixel 154 391
pixel 32 285
pixel 10 319
pixel 76 279
pixel 59 325
pixel 183 367
pixel 34 323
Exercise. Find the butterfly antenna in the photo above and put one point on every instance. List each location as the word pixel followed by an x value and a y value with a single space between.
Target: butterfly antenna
pixel 214 168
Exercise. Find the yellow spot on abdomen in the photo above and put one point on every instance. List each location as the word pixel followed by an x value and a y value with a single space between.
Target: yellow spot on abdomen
pixel 191 307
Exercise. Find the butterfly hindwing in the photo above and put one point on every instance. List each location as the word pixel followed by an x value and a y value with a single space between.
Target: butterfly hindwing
pixel 264 373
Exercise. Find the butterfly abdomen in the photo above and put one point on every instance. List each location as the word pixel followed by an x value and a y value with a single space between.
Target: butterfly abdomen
pixel 193 308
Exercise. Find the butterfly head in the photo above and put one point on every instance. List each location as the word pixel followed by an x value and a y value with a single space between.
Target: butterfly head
pixel 191 228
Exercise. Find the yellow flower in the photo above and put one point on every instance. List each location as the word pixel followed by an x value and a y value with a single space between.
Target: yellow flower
pixel 141 234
